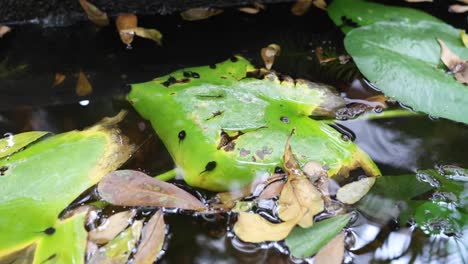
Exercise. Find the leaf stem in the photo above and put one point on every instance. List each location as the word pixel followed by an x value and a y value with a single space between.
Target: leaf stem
pixel 166 176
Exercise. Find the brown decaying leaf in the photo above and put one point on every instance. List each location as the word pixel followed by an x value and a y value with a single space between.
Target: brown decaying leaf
pixel 59 78
pixel 83 86
pixel 332 252
pixel 147 33
pixel 200 13
pixel 111 227
pixel 257 7
pixel 152 240
pixel 302 6
pixel 272 190
pixel 458 8
pixel 321 58
pixel 125 22
pixel 253 228
pixel 134 188
pixel 4 30
pixel 351 193
pixel 456 65
pixel 269 54
pixel 94 14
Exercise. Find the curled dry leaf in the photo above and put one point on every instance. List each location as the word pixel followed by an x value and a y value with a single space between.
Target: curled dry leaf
pixel 200 13
pixel 120 248
pixel 134 188
pixel 458 8
pixel 456 65
pixel 152 240
pixel 83 86
pixel 300 197
pixel 4 30
pixel 94 14
pixel 253 228
pixel 332 252
pixel 269 54
pixel 147 33
pixel 111 227
pixel 353 192
pixel 59 78
pixel 126 22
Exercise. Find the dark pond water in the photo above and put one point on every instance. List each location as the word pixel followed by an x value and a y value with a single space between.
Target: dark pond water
pixel 398 145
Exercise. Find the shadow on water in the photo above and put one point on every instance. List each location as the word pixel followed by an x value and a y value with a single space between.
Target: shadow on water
pixel 29 102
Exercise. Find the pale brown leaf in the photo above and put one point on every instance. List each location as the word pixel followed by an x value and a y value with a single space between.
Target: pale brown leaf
pixel 269 54
pixel 302 6
pixel 257 7
pixel 255 229
pixel 320 56
pixel 4 30
pixel 272 190
pixel 332 252
pixel 94 14
pixel 83 86
pixel 59 78
pixel 147 33
pixel 353 192
pixel 314 170
pixel 134 188
pixel 125 22
pixel 111 227
pixel 152 240
pixel 456 65
pixel 458 8
pixel 200 13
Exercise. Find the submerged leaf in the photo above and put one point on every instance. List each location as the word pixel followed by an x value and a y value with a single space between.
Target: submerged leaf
pixel 134 188
pixel 83 86
pixel 351 193
pixel 111 227
pixel 200 13
pixel 257 7
pixel 147 33
pixel 458 8
pixel 332 252
pixel 269 54
pixel 119 249
pixel 302 6
pixel 152 240
pixel 94 14
pixel 305 242
pixel 126 22
pixel 59 78
pixel 255 229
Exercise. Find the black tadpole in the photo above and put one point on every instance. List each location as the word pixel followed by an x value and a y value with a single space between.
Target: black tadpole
pixel 209 166
pixel 181 135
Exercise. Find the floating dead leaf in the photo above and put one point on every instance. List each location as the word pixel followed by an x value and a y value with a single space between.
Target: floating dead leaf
pixel 300 197
pixel 200 13
pixel 269 54
pixel 120 248
pixel 456 65
pixel 314 170
pixel 320 56
pixel 152 240
pixel 134 188
pixel 332 252
pixel 125 22
pixel 458 8
pixel 147 33
pixel 257 7
pixel 353 192
pixel 59 78
pixel 253 228
pixel 302 6
pixel 111 227
pixel 94 14
pixel 272 190
pixel 83 86
pixel 464 38
pixel 4 30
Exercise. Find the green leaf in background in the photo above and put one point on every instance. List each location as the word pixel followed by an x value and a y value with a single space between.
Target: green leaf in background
pixel 345 13
pixel 403 60
pixel 223 128
pixel 305 242
pixel 38 182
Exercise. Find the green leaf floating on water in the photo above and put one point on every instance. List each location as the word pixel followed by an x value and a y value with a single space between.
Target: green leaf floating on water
pixel 223 128
pixel 38 182
pixel 348 14
pixel 305 242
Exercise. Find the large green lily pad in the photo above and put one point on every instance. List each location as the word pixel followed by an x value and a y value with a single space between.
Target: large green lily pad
pixel 223 128
pixel 403 60
pixel 38 182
